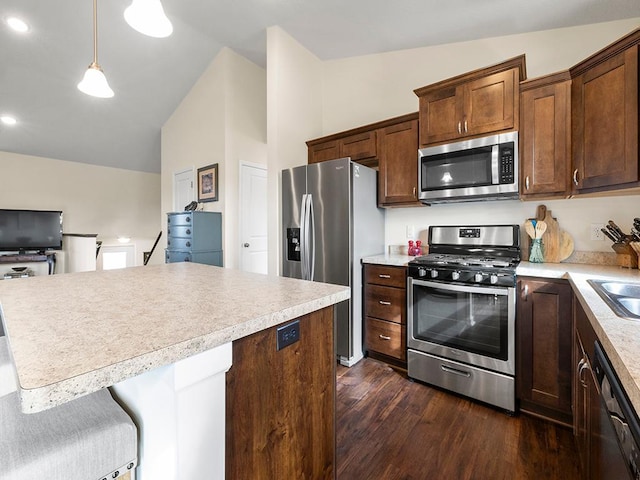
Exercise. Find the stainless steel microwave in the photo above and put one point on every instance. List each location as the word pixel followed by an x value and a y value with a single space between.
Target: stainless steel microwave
pixel 477 169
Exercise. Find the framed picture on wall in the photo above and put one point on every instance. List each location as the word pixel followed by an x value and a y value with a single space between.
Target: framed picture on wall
pixel 208 183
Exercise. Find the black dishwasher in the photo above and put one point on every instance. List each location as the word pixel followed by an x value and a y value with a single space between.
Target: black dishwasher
pixel 619 426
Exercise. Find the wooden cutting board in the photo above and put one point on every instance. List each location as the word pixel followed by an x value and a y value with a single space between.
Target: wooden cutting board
pixel 551 239
pixel 557 245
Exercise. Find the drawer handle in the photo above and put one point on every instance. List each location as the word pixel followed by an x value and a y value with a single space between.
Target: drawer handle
pixel 384 337
pixel 455 371
pixel 188 232
pixel 384 276
pixel 188 244
pixel 382 302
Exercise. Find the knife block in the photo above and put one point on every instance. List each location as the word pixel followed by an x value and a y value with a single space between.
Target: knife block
pixel 636 247
pixel 626 256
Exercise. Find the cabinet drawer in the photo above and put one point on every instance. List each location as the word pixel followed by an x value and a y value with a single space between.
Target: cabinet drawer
pixel 185 218
pixel 387 303
pixel 208 258
pixel 174 243
pixel 386 275
pixel 180 231
pixel 386 338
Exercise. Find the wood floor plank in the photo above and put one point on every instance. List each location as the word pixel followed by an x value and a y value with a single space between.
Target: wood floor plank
pixel 390 428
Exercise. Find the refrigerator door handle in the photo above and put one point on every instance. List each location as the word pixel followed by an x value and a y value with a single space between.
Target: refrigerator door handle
pixel 303 232
pixel 312 228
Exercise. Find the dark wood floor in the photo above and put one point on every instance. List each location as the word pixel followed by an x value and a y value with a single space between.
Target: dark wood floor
pixel 393 429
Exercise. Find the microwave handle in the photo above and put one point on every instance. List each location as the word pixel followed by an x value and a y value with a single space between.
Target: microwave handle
pixel 495 165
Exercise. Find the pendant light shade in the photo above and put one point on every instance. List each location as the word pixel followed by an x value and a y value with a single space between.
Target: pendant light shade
pixel 94 82
pixel 148 18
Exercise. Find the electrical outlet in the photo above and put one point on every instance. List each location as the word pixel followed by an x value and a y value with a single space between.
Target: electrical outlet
pixel 288 334
pixel 411 232
pixel 596 232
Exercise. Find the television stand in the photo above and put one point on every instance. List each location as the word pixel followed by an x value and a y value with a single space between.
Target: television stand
pixel 50 258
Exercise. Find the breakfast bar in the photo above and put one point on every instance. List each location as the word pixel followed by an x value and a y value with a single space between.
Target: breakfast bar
pixel 157 335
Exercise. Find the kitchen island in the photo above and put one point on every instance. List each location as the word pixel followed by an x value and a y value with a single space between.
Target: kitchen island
pixel 74 334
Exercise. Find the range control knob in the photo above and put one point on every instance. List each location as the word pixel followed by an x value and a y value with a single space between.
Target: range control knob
pixel 478 277
pixel 455 275
pixel 434 273
pixel 422 272
pixel 493 279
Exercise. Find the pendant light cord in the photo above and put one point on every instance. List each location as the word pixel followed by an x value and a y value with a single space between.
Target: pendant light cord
pixel 95 32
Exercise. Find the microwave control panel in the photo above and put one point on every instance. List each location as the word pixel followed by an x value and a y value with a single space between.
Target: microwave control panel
pixel 507 169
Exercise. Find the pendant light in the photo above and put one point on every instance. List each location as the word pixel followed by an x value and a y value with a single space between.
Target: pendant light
pixel 148 18
pixel 94 82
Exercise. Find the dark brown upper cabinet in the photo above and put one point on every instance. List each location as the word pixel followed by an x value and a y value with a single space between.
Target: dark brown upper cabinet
pixel 473 104
pixel 545 137
pixel 604 104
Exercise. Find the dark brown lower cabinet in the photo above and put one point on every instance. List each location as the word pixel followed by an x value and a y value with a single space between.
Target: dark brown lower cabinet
pixel 280 407
pixel 543 376
pixel 586 394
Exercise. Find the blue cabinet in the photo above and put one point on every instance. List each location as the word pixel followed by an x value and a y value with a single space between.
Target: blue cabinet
pixel 194 237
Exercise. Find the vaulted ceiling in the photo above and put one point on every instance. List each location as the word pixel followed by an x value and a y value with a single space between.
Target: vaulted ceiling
pixel 39 70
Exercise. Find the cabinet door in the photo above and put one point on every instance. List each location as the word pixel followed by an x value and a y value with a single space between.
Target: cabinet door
pixel 491 103
pixel 605 123
pixel 545 128
pixel 324 151
pixel 581 403
pixel 440 115
pixel 544 346
pixel 359 147
pixel 398 164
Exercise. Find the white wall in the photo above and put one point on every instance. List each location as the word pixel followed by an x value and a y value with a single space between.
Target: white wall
pixel 294 115
pixel 361 90
pixel 369 88
pixel 110 202
pixel 222 120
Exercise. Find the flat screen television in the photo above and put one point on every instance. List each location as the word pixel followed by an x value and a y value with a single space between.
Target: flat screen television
pixel 30 230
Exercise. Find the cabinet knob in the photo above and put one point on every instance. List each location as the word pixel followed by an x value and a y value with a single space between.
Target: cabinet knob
pixel 246 245
pixel 168 231
pixel 188 244
pixel 188 219
pixel 575 176
pixel 188 232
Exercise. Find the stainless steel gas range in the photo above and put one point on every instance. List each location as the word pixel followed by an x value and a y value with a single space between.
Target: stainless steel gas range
pixel 461 306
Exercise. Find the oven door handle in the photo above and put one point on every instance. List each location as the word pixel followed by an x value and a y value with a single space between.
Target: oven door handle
pixel 462 288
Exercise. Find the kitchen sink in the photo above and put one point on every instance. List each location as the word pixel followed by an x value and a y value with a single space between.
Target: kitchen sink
pixel 622 297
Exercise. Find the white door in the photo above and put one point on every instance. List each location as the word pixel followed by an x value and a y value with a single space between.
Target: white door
pixel 253 218
pixel 182 189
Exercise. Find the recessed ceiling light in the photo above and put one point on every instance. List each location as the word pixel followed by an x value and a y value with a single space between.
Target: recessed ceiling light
pixel 17 24
pixel 8 120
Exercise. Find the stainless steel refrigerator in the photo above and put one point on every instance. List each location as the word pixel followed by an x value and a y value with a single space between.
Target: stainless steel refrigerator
pixel 330 220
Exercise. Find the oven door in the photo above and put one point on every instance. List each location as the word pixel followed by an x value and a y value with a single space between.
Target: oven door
pixel 469 324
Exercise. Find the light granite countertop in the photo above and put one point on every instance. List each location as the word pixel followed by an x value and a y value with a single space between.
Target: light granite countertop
pixel 76 333
pixel 392 259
